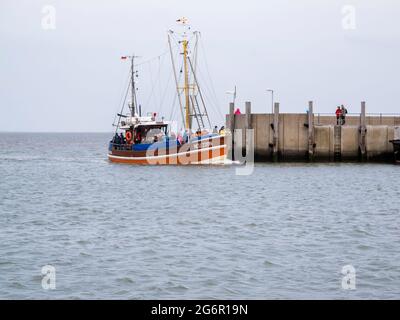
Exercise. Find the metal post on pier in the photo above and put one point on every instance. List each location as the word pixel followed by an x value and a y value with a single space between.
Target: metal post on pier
pixel 248 126
pixel 231 154
pixel 362 132
pixel 248 115
pixel 275 141
pixel 311 140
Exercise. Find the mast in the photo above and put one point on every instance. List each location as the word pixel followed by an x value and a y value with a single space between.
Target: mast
pixel 133 94
pixel 186 85
pixel 133 106
pixel 190 106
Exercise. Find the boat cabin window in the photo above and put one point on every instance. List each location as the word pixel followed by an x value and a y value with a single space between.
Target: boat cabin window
pixel 150 134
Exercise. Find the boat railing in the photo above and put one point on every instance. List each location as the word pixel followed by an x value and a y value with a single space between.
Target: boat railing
pixel 130 146
pixel 121 146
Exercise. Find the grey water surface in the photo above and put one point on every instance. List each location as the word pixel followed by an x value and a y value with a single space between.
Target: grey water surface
pixel 135 232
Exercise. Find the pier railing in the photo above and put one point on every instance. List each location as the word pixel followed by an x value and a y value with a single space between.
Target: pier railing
pixel 381 116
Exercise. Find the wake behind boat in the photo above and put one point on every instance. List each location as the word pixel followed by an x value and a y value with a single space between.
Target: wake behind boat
pixel 147 140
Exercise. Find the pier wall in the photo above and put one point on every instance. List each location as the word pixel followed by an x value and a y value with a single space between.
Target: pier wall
pixel 358 139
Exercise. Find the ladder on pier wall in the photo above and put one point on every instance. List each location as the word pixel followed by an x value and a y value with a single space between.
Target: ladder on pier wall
pixel 362 134
pixel 337 143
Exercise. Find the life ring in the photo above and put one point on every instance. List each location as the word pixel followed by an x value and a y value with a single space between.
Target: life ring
pixel 128 136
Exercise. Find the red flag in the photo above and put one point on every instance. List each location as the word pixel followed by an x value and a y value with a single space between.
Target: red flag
pixel 123 58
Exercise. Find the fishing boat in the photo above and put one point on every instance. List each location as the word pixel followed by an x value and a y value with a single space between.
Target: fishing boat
pixel 150 140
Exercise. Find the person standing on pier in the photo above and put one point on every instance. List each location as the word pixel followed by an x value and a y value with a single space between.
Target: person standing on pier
pixel 338 116
pixel 344 112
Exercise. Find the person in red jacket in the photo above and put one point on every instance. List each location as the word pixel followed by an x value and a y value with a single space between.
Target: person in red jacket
pixel 238 111
pixel 338 116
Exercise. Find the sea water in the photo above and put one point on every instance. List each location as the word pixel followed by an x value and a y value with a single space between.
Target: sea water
pixel 287 231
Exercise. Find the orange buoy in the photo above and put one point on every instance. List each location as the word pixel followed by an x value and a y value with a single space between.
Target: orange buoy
pixel 128 136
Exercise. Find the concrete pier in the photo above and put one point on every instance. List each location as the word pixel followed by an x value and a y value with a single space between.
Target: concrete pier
pixel 316 137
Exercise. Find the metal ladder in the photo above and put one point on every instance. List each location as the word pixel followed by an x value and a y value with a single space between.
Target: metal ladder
pixel 197 113
pixel 337 146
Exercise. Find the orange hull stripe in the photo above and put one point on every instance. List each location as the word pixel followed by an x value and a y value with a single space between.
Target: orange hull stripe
pixel 182 159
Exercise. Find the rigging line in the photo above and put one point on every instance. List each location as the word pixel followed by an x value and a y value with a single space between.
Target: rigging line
pixel 152 82
pixel 123 105
pixel 176 117
pixel 176 95
pixel 160 64
pixel 181 92
pixel 208 86
pixel 165 90
pixel 152 59
pixel 195 51
pixel 209 75
pixel 177 41
pixel 127 84
pixel 176 78
pixel 195 114
pixel 208 97
pixel 216 106
pixel 198 88
pixel 153 85
pixel 207 68
pixel 158 83
pixel 173 108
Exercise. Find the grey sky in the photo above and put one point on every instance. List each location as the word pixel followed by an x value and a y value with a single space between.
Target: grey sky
pixel 71 78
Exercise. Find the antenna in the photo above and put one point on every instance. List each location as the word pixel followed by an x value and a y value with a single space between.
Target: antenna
pixel 184 22
pixel 233 93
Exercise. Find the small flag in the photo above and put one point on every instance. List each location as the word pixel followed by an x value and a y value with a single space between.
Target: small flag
pixel 123 58
pixel 182 20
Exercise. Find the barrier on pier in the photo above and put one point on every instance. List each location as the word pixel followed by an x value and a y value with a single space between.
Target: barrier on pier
pixel 287 136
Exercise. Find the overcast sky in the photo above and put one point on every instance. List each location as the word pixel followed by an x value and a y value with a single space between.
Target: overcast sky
pixel 71 78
